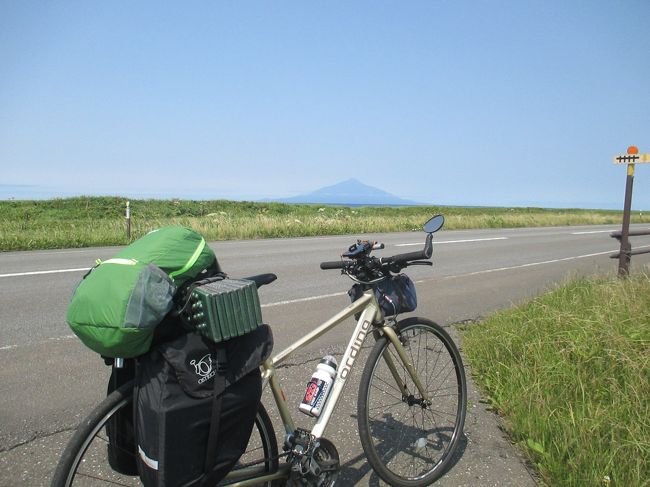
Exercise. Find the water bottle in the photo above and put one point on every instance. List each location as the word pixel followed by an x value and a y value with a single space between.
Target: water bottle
pixel 319 387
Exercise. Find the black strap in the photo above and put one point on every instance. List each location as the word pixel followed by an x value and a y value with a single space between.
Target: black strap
pixel 185 293
pixel 213 436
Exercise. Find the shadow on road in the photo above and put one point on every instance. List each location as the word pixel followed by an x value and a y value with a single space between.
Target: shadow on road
pixel 402 447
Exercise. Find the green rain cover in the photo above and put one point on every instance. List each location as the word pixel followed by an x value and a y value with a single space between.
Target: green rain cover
pixel 117 306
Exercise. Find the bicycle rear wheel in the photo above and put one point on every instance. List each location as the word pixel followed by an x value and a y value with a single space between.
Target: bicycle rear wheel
pixel 410 442
pixel 84 462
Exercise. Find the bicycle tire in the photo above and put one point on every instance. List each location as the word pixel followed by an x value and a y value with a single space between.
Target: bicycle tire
pixel 88 447
pixel 409 443
pixel 263 437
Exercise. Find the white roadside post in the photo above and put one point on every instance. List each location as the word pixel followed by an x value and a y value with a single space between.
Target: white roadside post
pixel 128 221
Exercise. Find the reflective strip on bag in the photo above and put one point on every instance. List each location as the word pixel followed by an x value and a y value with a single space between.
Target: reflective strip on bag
pixel 149 462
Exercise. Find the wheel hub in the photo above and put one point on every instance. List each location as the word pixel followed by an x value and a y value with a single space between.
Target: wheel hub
pixel 411 400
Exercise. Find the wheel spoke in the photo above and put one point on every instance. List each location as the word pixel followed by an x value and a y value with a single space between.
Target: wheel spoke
pixel 390 385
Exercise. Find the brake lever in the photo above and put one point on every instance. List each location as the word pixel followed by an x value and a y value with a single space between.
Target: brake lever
pixel 420 262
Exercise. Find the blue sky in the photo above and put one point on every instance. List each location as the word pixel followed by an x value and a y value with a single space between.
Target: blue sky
pixel 448 102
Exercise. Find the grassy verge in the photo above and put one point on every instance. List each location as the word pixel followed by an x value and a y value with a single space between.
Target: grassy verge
pixel 91 221
pixel 570 373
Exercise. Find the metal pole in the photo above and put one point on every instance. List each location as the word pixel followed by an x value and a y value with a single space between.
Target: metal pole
pixel 624 258
pixel 128 221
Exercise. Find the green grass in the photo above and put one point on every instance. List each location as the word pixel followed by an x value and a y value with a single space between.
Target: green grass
pixel 570 373
pixel 92 221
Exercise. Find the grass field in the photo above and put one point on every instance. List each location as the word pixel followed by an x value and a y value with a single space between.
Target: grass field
pixel 570 373
pixel 93 221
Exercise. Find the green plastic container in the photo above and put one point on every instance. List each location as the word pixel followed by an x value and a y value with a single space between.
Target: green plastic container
pixel 225 309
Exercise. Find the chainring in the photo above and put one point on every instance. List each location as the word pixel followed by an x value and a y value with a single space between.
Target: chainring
pixel 320 468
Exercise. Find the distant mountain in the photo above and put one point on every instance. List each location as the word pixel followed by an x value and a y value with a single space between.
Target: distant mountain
pixel 350 192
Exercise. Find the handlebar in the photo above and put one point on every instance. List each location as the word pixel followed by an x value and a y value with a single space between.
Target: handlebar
pixel 393 264
pixel 369 270
pixel 336 264
pixel 423 254
pixel 420 255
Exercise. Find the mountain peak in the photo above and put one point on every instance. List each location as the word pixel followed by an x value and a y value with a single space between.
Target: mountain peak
pixel 350 192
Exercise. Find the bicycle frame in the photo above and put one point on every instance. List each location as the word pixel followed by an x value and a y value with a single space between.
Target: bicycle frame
pixel 371 315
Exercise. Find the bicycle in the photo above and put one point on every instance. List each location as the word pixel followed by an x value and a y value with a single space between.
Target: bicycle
pixel 411 403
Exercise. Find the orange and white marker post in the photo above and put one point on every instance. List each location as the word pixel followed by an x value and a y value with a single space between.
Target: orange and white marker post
pixel 630 159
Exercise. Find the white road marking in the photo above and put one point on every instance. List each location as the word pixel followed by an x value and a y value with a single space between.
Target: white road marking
pixel 57 271
pixel 36 273
pixel 51 339
pixel 32 253
pixel 531 264
pixel 325 296
pixel 485 271
pixel 65 337
pixel 454 241
pixel 302 300
pixel 593 231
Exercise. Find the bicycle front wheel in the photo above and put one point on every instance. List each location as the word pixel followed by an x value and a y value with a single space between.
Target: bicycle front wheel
pixel 408 440
pixel 85 460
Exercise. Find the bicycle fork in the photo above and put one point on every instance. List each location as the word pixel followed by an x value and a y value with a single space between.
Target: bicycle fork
pixel 406 394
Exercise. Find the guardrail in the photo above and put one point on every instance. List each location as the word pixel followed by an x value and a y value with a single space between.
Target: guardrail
pixel 626 252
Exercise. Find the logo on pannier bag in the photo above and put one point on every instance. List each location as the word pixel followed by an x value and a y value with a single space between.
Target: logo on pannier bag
pixel 203 368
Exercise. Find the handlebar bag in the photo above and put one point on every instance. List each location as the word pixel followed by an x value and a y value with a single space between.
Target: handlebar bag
pixel 118 304
pixel 395 295
pixel 195 406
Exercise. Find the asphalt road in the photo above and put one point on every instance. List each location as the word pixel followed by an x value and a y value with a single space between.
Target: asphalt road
pixel 50 381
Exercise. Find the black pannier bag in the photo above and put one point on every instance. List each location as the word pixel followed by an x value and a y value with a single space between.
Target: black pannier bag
pixel 120 429
pixel 178 415
pixel 395 295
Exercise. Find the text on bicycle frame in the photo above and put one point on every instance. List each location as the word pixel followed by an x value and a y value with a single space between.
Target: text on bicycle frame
pixel 355 349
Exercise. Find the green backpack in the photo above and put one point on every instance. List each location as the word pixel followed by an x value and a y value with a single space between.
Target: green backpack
pixel 118 304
